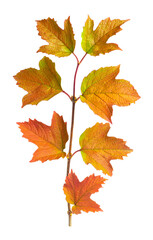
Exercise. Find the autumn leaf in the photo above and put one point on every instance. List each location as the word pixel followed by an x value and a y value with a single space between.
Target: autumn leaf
pixel 98 149
pixel 78 193
pixel 50 140
pixel 61 42
pixel 100 90
pixel 40 84
pixel 94 42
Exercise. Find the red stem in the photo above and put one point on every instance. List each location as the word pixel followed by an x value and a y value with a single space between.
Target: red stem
pixel 75 152
pixel 83 58
pixel 76 57
pixel 66 94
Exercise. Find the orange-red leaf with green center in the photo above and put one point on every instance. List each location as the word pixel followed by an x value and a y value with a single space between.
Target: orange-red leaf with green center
pixel 40 84
pixel 78 193
pixel 94 42
pixel 98 149
pixel 61 42
pixel 50 140
pixel 100 90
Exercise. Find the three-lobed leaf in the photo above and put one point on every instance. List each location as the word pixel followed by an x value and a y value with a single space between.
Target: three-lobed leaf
pixel 61 42
pixel 100 90
pixel 94 42
pixel 50 140
pixel 78 193
pixel 40 84
pixel 98 149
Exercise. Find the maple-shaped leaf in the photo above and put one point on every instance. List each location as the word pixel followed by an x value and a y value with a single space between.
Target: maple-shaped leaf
pixel 78 193
pixel 94 42
pixel 100 90
pixel 98 149
pixel 40 84
pixel 61 42
pixel 50 140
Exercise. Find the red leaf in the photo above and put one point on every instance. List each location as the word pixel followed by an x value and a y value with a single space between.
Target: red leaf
pixel 78 193
pixel 50 140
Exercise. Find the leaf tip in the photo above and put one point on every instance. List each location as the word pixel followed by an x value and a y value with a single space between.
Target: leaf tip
pixel 31 161
pixel 18 123
pixel 110 121
pixel 38 50
pixel 100 210
pixel 127 20
pixel 131 150
pixel 120 49
pixel 110 173
pixel 68 18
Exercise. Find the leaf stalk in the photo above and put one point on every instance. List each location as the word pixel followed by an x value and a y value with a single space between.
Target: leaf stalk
pixel 66 94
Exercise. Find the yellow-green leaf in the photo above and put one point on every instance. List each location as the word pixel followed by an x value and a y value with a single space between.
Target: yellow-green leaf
pixel 40 84
pixel 100 90
pixel 94 42
pixel 61 42
pixel 98 149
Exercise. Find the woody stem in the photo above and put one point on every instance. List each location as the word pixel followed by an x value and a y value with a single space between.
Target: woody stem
pixel 72 121
pixel 71 137
pixel 71 131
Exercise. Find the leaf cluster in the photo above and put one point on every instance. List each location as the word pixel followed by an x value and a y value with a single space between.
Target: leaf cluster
pixel 100 90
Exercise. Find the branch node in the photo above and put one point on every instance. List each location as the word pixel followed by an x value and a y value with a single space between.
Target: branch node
pixel 73 99
pixel 69 212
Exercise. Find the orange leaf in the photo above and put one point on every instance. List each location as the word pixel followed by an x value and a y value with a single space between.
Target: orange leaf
pixel 50 140
pixel 98 149
pixel 40 84
pixel 78 193
pixel 61 42
pixel 95 42
pixel 100 90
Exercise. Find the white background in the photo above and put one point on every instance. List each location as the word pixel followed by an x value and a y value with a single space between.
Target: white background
pixel 32 202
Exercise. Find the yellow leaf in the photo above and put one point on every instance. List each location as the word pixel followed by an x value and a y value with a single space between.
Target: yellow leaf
pixel 98 149
pixel 61 42
pixel 100 90
pixel 40 84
